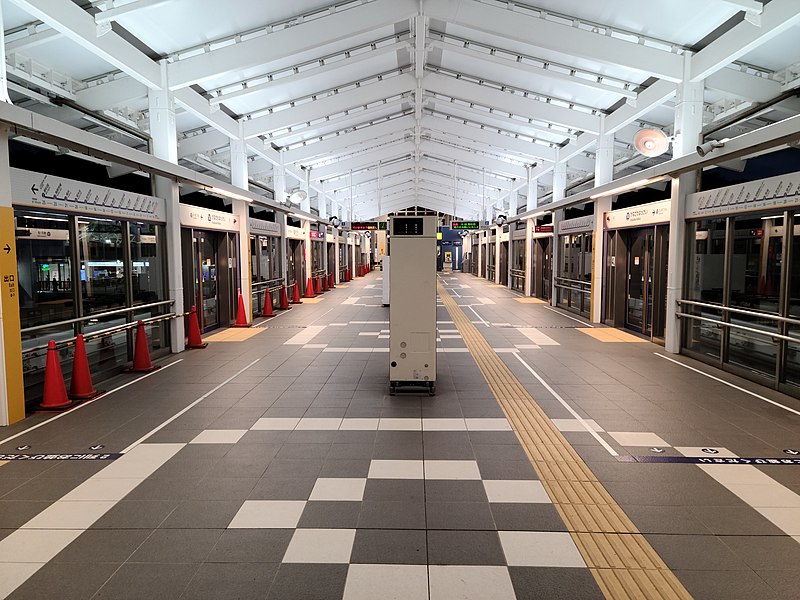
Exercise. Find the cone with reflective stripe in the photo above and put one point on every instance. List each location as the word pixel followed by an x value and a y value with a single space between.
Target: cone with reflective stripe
pixel 325 280
pixel 296 294
pixel 195 340
pixel 81 388
pixel 309 288
pixel 267 310
pixel 55 392
pixel 241 313
pixel 141 352
pixel 284 299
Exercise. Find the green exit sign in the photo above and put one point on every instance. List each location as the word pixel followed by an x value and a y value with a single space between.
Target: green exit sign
pixel 465 225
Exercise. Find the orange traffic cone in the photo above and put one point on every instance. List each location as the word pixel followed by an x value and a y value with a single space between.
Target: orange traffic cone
pixel 141 352
pixel 331 281
pixel 317 286
pixel 283 299
pixel 347 274
pixel 195 340
pixel 325 286
pixel 267 310
pixel 55 392
pixel 241 314
pixel 81 388
pixel 309 289
pixel 296 294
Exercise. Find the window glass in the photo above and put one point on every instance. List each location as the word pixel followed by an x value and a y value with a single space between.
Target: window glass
pixel 44 268
pixel 254 252
pixel 102 267
pixel 147 258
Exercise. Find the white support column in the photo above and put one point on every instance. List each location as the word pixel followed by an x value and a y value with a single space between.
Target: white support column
pixel 165 146
pixel 279 189
pixel 322 203
pixel 529 257
pixel 559 181
pixel 305 185
pixel 4 97
pixel 603 173
pixel 533 190
pixel 239 178
pixel 688 128
pixel 555 266
pixel 497 246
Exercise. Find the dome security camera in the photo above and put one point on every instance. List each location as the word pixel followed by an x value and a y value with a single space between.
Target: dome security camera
pixel 335 222
pixel 500 219
pixel 709 146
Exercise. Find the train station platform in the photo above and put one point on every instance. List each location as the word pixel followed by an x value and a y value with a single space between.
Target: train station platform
pixel 557 460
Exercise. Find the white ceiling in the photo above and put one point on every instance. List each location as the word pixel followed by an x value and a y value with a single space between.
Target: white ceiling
pixel 452 98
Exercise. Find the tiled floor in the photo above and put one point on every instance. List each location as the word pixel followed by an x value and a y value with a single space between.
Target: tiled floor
pixel 298 477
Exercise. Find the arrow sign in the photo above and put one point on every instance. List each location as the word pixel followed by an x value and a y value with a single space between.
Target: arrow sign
pixel 96 447
pixel 709 450
pixel 34 189
pixel 790 451
pixel 657 450
pixel 7 248
pixel 23 447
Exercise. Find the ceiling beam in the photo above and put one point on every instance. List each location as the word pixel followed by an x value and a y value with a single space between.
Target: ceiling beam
pixel 361 161
pixel 283 46
pixel 330 104
pixel 116 92
pixel 466 157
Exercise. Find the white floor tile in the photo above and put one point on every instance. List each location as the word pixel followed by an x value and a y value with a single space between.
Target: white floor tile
pixel 141 462
pixel 13 575
pixel 395 469
pixel 470 583
pixel 638 438
pixel 275 424
pixel 341 489
pixel 732 474
pixel 35 545
pixel 515 491
pixel 69 515
pixel 488 424
pixel 786 519
pixel 444 425
pixel 452 469
pixel 319 424
pixel 109 490
pixel 219 436
pixel 268 514
pixel 387 582
pixel 400 425
pixel 772 495
pixel 359 425
pixel 698 451
pixel 540 549
pixel 576 425
pixel 320 546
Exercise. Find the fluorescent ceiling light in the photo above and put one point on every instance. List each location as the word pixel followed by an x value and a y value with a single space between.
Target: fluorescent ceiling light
pixel 625 188
pixel 227 194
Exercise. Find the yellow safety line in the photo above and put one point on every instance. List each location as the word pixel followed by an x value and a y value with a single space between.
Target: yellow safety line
pixel 621 560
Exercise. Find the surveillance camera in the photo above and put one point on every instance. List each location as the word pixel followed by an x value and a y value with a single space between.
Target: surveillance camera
pixel 335 222
pixel 500 219
pixel 709 146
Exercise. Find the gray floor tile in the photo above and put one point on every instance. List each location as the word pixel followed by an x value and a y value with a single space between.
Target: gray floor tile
pixel 303 451
pixel 41 490
pixel 308 582
pixel 666 519
pixel 58 580
pixel 526 517
pixel 464 548
pixel 287 468
pixel 202 514
pixel 734 520
pixel 554 583
pixel 358 467
pixel 134 581
pixel 281 488
pixel 499 452
pixel 243 581
pixel 391 515
pixel 177 546
pixel 14 514
pixel 695 552
pixel 350 451
pixel 506 469
pixel 103 546
pixel 330 515
pixel 251 546
pixel 382 546
pixel 224 488
pixel 398 451
pixel 727 585
pixel 397 490
pixel 780 553
pixel 784 583
pixel 459 515
pixel 454 491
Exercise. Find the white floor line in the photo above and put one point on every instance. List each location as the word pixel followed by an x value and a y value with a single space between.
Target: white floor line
pixel 479 317
pixel 564 403
pixel 736 387
pixel 87 403
pixel 192 405
pixel 305 336
pixel 266 322
pixel 584 323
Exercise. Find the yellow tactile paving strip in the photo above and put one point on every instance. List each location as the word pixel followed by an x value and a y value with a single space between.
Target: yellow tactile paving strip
pixel 621 560
pixel 233 334
pixel 312 300
pixel 529 300
pixel 610 335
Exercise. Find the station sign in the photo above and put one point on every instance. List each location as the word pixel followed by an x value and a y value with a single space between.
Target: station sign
pixel 295 233
pixel 578 225
pixel 261 227
pixel 465 225
pixel 316 235
pixel 367 226
pixel 542 229
pixel 778 192
pixel 38 190
pixel 654 213
pixel 204 218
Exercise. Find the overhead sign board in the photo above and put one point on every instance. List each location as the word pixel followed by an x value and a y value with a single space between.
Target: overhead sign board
pixel 653 213
pixel 295 233
pixel 774 192
pixel 578 225
pixel 367 225
pixel 316 235
pixel 204 218
pixel 465 225
pixel 38 190
pixel 542 229
pixel 261 227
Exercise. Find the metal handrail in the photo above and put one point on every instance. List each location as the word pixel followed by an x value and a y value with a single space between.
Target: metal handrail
pixel 741 311
pixel 118 311
pixel 763 332
pixel 105 332
pixel 518 272
pixel 583 290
